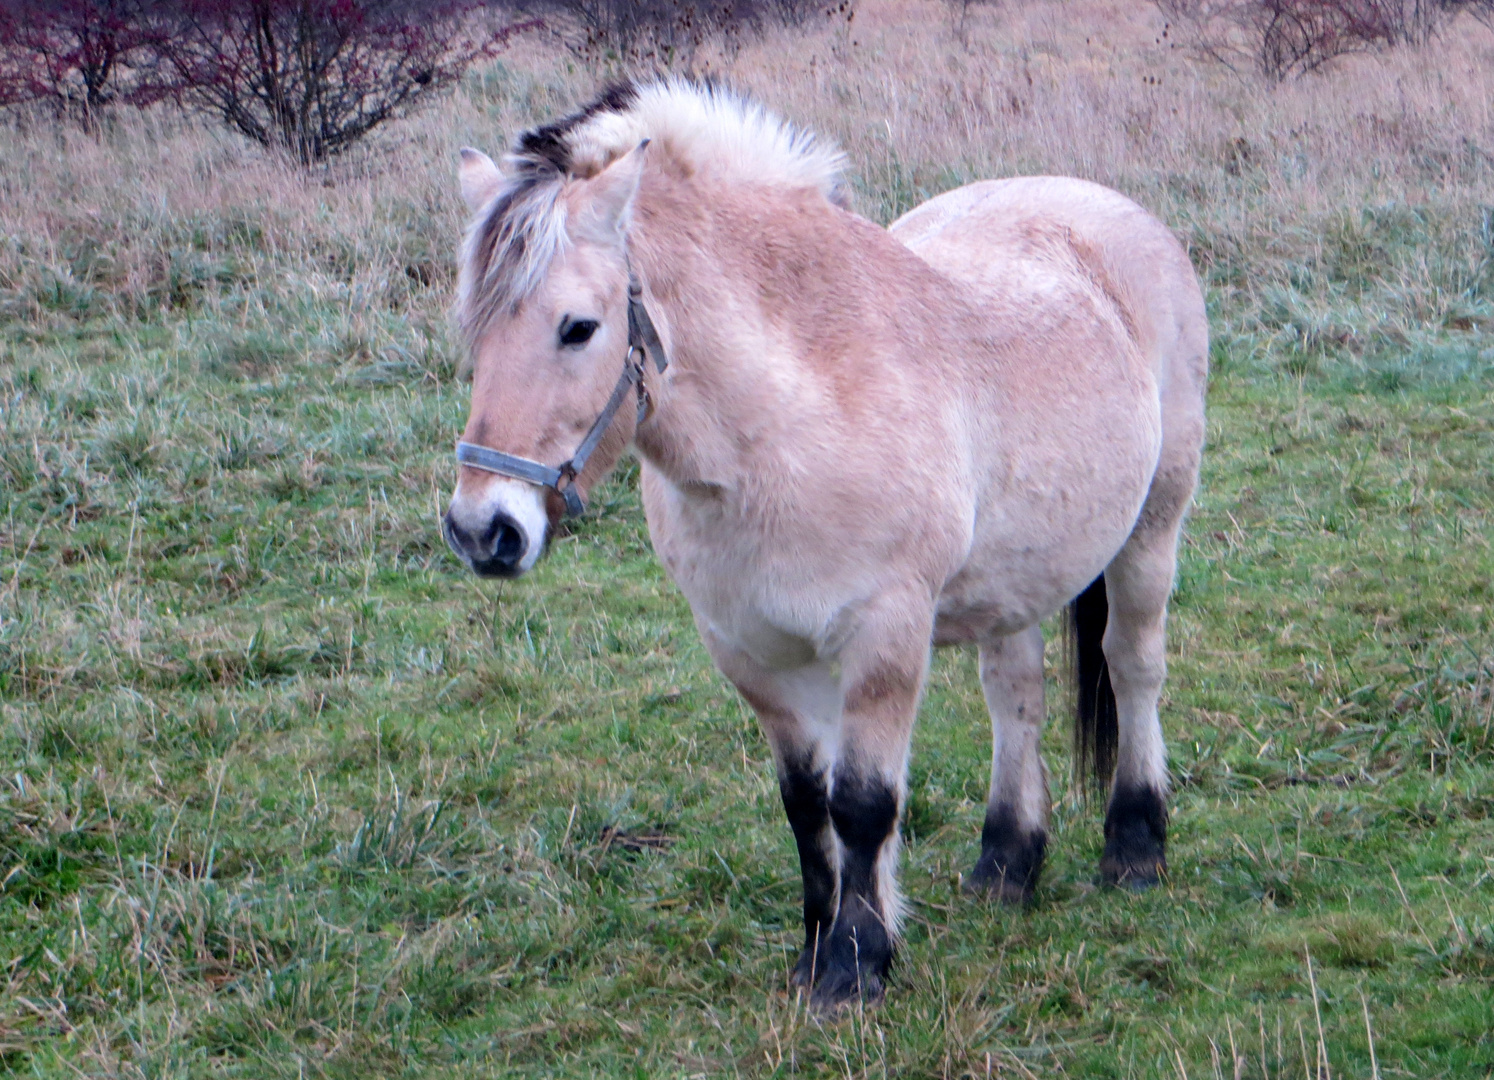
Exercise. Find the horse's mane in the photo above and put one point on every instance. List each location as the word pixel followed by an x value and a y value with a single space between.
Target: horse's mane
pixel 709 130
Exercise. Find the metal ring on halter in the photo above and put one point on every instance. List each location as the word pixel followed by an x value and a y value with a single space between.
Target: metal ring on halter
pixel 643 340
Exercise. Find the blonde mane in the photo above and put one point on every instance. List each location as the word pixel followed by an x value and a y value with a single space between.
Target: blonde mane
pixel 711 131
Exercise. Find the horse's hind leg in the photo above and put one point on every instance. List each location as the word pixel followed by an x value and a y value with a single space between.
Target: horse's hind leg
pixel 1136 587
pixel 1137 584
pixel 1015 836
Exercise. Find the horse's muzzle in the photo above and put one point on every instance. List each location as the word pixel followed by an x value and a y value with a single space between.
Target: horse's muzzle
pixel 496 550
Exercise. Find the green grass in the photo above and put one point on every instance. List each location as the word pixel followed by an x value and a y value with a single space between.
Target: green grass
pixel 288 793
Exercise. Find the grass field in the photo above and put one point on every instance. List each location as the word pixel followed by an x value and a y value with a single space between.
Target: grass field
pixel 287 793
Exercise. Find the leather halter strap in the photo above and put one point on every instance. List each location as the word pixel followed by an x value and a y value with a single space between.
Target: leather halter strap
pixel 643 341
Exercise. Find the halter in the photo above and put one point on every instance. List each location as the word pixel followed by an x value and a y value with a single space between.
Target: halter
pixel 643 341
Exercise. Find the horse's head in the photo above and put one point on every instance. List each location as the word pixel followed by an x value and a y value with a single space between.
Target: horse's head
pixel 544 305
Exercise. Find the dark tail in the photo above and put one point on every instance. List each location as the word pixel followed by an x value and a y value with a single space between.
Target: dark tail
pixel 1096 723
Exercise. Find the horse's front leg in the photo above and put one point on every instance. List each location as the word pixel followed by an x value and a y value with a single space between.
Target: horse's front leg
pixel 799 711
pixel 802 784
pixel 882 674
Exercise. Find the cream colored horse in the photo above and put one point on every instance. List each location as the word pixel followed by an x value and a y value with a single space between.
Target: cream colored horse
pixel 866 441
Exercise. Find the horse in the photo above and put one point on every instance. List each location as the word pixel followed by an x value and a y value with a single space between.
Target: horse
pixel 857 443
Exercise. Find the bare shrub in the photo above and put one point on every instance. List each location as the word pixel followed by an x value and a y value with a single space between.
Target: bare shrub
pixel 959 15
pixel 1284 38
pixel 314 76
pixel 79 56
pixel 642 33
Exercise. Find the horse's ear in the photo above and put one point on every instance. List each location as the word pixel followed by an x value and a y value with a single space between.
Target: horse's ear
pixel 480 178
pixel 609 198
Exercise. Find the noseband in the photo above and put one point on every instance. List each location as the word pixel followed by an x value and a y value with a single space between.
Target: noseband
pixel 643 342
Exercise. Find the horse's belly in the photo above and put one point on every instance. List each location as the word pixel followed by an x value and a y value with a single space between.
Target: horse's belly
pixel 780 629
pixel 774 643
pixel 1001 592
pixel 1045 531
pixel 961 620
pixel 992 601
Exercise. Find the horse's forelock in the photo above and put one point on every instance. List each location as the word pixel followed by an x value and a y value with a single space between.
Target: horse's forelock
pixel 511 245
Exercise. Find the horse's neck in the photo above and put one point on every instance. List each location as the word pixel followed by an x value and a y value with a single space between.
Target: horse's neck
pixel 707 392
pixel 755 320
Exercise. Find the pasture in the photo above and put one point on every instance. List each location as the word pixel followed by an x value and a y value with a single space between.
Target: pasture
pixel 289 793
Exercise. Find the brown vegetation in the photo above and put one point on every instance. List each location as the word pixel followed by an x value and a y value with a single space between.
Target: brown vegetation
pixel 80 56
pixel 314 77
pixel 1282 38
pixel 670 32
pixel 310 77
pixel 1291 197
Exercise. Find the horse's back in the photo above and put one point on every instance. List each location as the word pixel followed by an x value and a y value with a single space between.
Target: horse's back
pixel 1134 259
pixel 970 233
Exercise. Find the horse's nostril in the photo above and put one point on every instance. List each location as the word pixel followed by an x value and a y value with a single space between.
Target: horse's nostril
pixel 456 536
pixel 509 548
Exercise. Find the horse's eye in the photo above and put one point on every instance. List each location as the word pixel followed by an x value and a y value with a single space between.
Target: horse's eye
pixel 577 332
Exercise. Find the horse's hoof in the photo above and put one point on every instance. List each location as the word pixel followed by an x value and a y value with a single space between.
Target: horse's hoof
pixel 840 991
pixel 996 886
pixel 807 968
pixel 1011 858
pixel 1135 855
pixel 1132 876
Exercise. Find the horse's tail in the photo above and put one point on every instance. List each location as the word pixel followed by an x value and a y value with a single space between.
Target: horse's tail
pixel 1096 722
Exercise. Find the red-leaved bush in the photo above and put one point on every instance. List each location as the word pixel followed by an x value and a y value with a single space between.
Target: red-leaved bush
pixel 307 76
pixel 78 55
pixel 649 33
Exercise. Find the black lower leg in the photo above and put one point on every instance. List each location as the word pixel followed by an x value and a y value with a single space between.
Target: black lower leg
pixel 806 803
pixel 864 810
pixel 1135 836
pixel 1011 857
